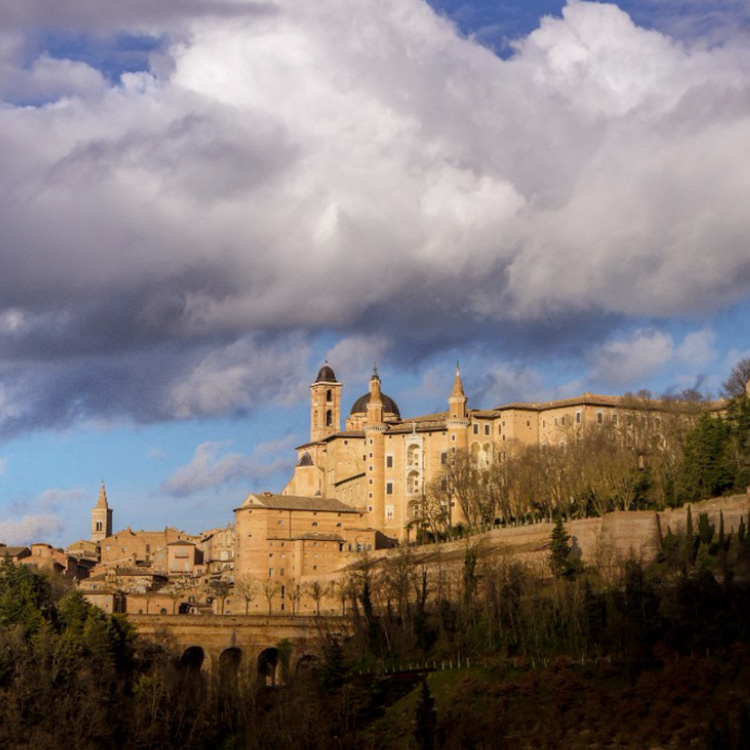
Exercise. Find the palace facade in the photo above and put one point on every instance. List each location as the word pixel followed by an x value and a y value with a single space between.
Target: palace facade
pixel 381 463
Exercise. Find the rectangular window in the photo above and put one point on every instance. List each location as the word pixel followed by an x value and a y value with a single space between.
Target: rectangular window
pixel 486 429
pixel 281 571
pixel 389 462
pixel 578 417
pixel 270 572
pixel 443 458
pixel 389 488
pixel 389 511
pixel 599 417
pixel 476 429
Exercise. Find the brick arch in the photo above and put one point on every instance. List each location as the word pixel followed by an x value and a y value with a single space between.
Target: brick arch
pixel 193 658
pixel 269 666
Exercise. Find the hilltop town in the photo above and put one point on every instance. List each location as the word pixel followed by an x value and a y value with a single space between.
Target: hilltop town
pixel 380 482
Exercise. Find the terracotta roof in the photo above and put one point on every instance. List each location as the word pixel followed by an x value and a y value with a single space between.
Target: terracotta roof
pixel 13 551
pixel 293 502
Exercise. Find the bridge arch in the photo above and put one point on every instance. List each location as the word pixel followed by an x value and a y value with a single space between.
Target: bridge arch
pixel 269 663
pixel 192 659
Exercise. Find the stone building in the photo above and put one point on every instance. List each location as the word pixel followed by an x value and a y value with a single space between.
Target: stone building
pixel 218 547
pixel 145 549
pixel 381 463
pixel 284 538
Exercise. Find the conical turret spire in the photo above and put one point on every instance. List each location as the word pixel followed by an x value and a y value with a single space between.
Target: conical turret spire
pixel 458 386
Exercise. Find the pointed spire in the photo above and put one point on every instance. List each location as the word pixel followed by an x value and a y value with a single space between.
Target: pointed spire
pixel 458 386
pixel 102 502
pixel 375 375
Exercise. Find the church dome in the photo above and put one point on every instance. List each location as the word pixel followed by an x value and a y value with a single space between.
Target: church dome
pixel 389 405
pixel 326 375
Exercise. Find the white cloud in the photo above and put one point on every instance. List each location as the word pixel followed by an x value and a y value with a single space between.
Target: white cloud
pixel 698 349
pixel 212 466
pixel 622 362
pixel 626 362
pixel 355 356
pixel 30 528
pixel 312 166
pixel 243 374
pixel 55 497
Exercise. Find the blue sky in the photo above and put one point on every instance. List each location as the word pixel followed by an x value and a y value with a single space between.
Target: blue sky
pixel 203 201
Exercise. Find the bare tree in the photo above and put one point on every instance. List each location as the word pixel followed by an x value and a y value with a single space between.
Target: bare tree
pixel 295 594
pixel 247 588
pixel 737 381
pixel 317 591
pixel 270 589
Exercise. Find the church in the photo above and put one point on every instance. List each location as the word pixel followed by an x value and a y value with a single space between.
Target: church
pixel 382 463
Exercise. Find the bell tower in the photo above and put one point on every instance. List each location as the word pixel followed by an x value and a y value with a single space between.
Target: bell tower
pixel 325 405
pixel 101 518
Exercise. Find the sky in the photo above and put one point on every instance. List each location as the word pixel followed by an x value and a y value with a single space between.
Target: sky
pixel 204 200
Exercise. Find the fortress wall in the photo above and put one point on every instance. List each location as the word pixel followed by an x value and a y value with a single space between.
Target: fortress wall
pixel 629 535
pixel 733 508
pixel 608 541
pixel 584 534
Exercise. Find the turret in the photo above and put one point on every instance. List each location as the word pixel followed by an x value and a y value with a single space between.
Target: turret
pixel 325 405
pixel 457 400
pixel 375 404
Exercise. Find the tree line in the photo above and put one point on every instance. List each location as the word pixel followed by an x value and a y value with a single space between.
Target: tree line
pixel 660 453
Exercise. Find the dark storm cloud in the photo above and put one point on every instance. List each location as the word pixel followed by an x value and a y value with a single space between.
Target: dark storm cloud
pixel 93 16
pixel 172 245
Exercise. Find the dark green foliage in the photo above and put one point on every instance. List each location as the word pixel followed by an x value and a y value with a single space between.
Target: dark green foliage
pixel 561 560
pixel 705 471
pixel 705 529
pixel 426 719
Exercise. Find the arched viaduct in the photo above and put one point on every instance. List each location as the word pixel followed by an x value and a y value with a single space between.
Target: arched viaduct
pixel 264 644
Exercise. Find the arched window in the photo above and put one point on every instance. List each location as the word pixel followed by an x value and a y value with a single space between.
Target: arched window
pixel 413 483
pixel 329 418
pixel 412 455
pixel 329 395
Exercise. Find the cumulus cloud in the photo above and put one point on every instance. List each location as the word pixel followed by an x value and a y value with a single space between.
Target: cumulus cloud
pixel 171 243
pixel 625 362
pixel 55 497
pixel 30 529
pixel 212 466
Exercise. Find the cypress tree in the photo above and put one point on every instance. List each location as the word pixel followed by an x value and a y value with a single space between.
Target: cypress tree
pixel 426 719
pixel 559 560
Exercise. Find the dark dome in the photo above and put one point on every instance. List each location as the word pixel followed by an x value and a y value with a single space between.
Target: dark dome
pixel 389 405
pixel 326 375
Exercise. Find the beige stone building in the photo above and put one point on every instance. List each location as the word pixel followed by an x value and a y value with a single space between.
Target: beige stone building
pixel 290 540
pixel 218 547
pixel 381 463
pixel 144 549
